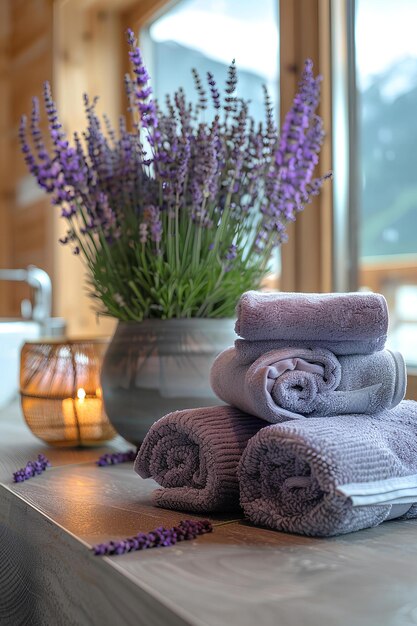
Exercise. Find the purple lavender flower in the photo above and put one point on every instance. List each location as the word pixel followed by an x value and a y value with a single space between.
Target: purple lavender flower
pixel 231 253
pixel 288 180
pixel 205 173
pixel 202 96
pixel 116 457
pixel 215 95
pixel 171 192
pixel 152 213
pixel 69 171
pixel 142 91
pixel 158 538
pixel 32 468
pixel 231 84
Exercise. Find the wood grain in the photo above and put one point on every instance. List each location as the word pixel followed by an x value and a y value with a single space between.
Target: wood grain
pixel 18 446
pixel 239 574
pixel 29 22
pixel 49 578
pixel 25 63
pixel 77 46
pixel 268 578
pixel 305 33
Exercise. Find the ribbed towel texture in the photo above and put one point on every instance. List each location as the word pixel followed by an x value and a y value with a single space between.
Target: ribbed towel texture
pixel 325 477
pixel 349 323
pixel 193 454
pixel 294 383
pixel 352 465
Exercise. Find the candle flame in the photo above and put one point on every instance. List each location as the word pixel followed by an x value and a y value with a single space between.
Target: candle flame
pixel 81 393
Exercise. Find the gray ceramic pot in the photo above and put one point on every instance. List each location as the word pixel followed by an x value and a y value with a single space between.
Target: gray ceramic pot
pixel 157 366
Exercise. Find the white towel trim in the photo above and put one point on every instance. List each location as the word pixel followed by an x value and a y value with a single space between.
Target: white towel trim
pixel 402 490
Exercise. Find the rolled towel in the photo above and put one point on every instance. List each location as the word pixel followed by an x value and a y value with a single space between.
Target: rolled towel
pixel 326 477
pixel 249 351
pixel 194 455
pixel 293 383
pixel 359 320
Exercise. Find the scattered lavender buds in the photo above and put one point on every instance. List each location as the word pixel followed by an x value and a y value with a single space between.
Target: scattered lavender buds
pixel 33 468
pixel 158 538
pixel 116 458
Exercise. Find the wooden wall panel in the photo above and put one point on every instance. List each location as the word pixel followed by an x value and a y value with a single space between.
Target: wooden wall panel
pixel 29 75
pixel 5 187
pixel 90 56
pixel 30 19
pixel 87 60
pixel 30 224
pixel 78 45
pixel 140 13
pixel 305 33
pixel 26 62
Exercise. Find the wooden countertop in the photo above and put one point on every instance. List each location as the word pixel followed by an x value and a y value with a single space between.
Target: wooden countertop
pixel 237 575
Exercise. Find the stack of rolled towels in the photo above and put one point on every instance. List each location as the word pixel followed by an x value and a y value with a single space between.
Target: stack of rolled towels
pixel 315 437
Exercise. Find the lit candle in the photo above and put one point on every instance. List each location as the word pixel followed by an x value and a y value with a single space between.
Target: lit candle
pixel 89 413
pixel 82 417
pixel 70 421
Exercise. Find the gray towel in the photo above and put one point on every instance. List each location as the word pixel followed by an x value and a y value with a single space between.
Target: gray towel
pixel 319 320
pixel 249 351
pixel 324 477
pixel 194 455
pixel 293 383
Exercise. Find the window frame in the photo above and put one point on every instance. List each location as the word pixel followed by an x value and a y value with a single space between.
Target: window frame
pixel 320 254
pixel 305 33
pixel 348 274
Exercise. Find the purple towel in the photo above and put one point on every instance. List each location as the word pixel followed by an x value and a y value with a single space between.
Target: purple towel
pixel 359 320
pixel 194 455
pixel 249 351
pixel 294 383
pixel 324 477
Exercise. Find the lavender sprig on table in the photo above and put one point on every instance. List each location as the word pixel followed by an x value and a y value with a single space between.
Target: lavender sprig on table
pixel 178 212
pixel 116 457
pixel 158 538
pixel 32 468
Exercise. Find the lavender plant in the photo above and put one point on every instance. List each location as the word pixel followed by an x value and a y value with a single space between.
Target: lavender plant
pixel 175 214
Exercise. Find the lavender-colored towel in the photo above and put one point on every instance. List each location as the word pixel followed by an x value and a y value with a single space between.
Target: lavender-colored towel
pixel 249 351
pixel 194 455
pixel 325 477
pixel 319 320
pixel 294 383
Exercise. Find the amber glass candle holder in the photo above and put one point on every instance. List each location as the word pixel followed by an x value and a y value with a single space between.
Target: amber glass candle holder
pixel 61 394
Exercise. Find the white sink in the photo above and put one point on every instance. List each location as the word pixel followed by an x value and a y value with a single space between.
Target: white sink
pixel 13 334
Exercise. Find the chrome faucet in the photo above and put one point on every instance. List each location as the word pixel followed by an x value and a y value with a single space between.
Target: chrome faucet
pixel 38 279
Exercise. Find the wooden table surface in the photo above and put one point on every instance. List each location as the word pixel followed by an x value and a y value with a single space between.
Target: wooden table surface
pixel 237 575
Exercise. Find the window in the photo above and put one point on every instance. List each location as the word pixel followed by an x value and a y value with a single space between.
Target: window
pixel 208 35
pixel 375 157
pixel 386 78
